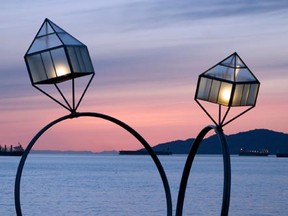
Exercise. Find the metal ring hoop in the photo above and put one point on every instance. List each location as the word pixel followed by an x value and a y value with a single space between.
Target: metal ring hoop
pixel 105 117
pixel 188 165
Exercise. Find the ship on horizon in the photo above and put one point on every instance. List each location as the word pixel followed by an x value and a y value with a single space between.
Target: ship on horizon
pixel 262 152
pixel 12 150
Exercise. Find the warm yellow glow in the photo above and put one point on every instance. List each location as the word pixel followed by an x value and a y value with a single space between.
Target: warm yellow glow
pixel 224 95
pixel 61 70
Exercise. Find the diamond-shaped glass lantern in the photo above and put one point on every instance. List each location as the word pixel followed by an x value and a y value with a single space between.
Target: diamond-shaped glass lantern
pixel 229 83
pixel 55 56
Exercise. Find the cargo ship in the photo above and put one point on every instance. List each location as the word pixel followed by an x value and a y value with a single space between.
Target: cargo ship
pixel 263 152
pixel 12 150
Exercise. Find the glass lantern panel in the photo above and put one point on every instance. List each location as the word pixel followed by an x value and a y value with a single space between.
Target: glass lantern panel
pixel 245 94
pixel 60 62
pixel 86 59
pixel 221 72
pixel 253 94
pixel 56 28
pixel 243 75
pixel 46 29
pixel 228 74
pixel 224 93
pixel 239 63
pixel 233 61
pixel 229 62
pixel 48 64
pixel 204 88
pixel 237 95
pixel 36 68
pixel 44 43
pixel 214 91
pixel 80 59
pixel 73 59
pixel 68 39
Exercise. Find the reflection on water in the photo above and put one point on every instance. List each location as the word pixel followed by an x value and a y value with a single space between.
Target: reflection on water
pixel 61 184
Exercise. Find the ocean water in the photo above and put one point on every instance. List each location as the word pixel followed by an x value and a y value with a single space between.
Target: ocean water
pixel 78 184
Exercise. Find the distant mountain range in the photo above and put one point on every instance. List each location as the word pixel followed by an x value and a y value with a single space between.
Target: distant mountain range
pixel 275 142
pixel 258 139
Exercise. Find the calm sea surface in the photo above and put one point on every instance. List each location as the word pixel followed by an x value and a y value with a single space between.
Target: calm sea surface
pixel 71 184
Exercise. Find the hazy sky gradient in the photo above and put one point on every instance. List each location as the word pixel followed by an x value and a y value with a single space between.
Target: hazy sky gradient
pixel 147 56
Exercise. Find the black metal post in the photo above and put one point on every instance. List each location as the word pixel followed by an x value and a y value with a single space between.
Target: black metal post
pixel 227 170
pixel 97 115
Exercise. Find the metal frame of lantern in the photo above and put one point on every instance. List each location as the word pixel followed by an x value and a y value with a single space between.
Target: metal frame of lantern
pixel 45 68
pixel 229 83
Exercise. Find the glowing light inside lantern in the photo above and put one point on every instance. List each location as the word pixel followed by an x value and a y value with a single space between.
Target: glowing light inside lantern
pixel 224 95
pixel 61 70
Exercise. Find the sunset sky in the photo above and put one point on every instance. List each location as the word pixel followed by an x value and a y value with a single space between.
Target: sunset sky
pixel 147 55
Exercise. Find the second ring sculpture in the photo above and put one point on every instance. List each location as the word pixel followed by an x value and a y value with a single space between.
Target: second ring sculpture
pixel 230 83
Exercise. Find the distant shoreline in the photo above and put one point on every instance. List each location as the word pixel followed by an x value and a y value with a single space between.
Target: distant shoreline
pixel 110 153
pixel 70 152
pixel 253 140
